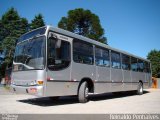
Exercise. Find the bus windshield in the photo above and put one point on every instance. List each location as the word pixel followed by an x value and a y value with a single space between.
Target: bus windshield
pixel 40 31
pixel 29 54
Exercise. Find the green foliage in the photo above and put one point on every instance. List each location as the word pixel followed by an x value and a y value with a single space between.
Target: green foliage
pixel 12 27
pixel 1 33
pixel 37 22
pixel 154 57
pixel 83 22
pixel 2 69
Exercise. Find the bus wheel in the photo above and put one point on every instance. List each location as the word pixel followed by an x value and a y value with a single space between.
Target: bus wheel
pixel 140 88
pixel 83 93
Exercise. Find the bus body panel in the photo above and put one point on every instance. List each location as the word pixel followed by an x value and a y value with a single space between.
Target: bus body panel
pixel 127 81
pixel 61 88
pixel 61 75
pixel 58 83
pixel 81 71
pixel 103 74
pixel 27 78
pixel 103 81
pixel 102 87
pixel 25 81
pixel 116 78
pixel 135 79
pixel 147 80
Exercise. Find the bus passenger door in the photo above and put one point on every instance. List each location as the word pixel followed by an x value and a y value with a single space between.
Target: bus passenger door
pixel 58 65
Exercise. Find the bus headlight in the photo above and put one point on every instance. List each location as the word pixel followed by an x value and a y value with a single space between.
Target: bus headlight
pixel 33 83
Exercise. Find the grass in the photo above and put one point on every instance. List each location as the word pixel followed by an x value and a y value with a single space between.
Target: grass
pixel 7 87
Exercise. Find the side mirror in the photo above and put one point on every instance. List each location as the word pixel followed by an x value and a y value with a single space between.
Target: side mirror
pixel 53 36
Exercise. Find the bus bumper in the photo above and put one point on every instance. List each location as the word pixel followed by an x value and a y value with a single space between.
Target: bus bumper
pixel 33 90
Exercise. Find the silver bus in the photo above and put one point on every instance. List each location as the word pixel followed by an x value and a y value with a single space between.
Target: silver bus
pixel 50 61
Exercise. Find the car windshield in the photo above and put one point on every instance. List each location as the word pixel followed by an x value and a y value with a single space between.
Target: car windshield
pixel 29 54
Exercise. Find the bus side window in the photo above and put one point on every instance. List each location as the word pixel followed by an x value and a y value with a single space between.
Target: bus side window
pixel 115 60
pixel 140 65
pixel 82 52
pixel 125 62
pixel 147 67
pixel 134 64
pixel 102 57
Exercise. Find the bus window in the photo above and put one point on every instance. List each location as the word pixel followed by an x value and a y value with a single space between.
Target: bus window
pixel 125 62
pixel 140 66
pixel 147 67
pixel 134 65
pixel 58 54
pixel 82 52
pixel 102 57
pixel 115 60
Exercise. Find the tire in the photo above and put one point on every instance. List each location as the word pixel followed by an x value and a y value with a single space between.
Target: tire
pixel 140 89
pixel 54 98
pixel 83 93
pixel 118 93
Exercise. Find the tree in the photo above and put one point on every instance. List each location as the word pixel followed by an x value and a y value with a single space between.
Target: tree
pixel 154 57
pixel 37 22
pixel 12 27
pixel 1 33
pixel 83 22
pixel 1 37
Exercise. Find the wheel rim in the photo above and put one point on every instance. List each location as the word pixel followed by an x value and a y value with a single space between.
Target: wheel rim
pixel 141 88
pixel 86 92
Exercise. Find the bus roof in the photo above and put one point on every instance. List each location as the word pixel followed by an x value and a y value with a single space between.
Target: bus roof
pixel 70 34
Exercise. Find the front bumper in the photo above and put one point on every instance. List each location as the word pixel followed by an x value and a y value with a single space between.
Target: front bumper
pixel 33 90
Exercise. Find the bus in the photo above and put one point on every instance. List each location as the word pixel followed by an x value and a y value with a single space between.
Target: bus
pixel 50 61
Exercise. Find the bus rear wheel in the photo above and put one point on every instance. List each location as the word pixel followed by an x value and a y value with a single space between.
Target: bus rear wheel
pixel 83 93
pixel 140 88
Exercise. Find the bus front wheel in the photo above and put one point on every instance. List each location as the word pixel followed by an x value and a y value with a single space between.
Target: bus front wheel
pixel 83 93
